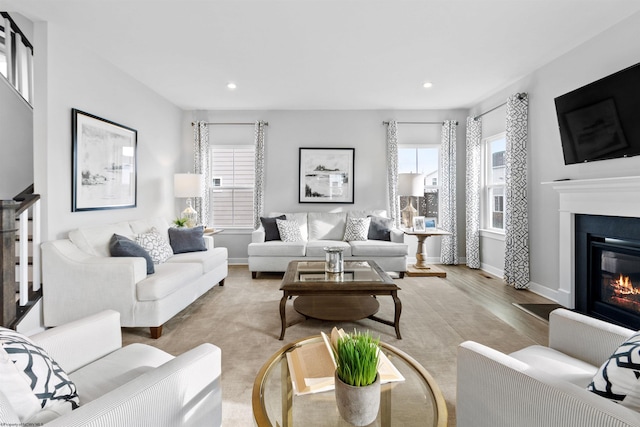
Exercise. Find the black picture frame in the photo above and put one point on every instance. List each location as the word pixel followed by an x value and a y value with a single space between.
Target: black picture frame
pixel 104 159
pixel 326 175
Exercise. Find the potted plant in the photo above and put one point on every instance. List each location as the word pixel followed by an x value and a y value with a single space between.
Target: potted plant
pixel 180 222
pixel 357 383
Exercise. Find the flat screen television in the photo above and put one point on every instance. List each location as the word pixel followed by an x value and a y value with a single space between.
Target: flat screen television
pixel 602 119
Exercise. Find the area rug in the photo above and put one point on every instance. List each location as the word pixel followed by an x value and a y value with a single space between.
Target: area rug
pixel 540 311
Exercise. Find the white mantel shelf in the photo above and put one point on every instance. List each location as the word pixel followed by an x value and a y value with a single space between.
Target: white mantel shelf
pixel 618 196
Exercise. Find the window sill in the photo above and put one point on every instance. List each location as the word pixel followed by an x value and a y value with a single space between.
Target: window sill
pixel 492 234
pixel 230 230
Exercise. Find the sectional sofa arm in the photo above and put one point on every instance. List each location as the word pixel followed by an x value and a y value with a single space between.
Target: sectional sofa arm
pixel 183 392
pixel 496 390
pixel 258 235
pixel 584 337
pixel 397 235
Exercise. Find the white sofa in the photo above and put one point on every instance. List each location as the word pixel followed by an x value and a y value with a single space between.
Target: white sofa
pixel 80 277
pixel 542 386
pixel 321 229
pixel 136 385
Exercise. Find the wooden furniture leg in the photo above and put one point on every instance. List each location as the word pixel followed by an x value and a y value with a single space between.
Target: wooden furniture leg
pixel 156 332
pixel 283 303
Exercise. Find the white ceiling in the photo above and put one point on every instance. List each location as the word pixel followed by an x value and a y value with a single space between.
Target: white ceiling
pixel 328 54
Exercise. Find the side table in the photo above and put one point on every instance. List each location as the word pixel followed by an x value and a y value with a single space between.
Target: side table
pixel 420 268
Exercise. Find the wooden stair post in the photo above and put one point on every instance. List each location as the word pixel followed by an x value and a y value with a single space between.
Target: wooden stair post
pixel 8 261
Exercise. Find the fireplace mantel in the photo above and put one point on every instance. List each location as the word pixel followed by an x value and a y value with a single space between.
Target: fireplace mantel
pixel 618 196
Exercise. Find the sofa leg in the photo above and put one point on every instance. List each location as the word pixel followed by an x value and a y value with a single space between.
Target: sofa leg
pixel 221 283
pixel 156 332
pixel 254 274
pixel 402 274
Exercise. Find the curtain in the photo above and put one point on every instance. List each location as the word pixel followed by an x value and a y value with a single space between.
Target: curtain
pixel 392 172
pixel 449 248
pixel 516 228
pixel 474 166
pixel 258 194
pixel 201 165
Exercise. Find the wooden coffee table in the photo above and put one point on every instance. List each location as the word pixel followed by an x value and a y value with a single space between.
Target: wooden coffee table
pixel 347 296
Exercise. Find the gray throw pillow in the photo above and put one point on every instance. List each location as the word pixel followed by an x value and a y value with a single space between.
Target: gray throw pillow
pixel 120 246
pixel 271 231
pixel 380 228
pixel 187 239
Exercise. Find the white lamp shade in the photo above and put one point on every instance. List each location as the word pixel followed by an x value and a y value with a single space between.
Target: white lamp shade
pixel 411 184
pixel 188 184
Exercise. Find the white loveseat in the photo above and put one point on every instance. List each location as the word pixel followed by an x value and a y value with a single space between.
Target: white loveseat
pixel 80 277
pixel 136 385
pixel 542 386
pixel 322 229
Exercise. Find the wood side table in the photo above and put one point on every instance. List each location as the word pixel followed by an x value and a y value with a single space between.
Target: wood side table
pixel 420 268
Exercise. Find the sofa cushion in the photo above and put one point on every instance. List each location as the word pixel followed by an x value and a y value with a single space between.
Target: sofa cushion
pixel 380 228
pixel 271 228
pixel 376 248
pixel 289 230
pixel 356 229
pixel 558 364
pixel 186 239
pixel 209 259
pixel 327 225
pixel 278 248
pixel 618 379
pixel 120 246
pixel 158 247
pixel 315 248
pixel 95 240
pixel 169 277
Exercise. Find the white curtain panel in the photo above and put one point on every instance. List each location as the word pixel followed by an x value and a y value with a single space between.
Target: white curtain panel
pixel 392 171
pixel 258 194
pixel 474 166
pixel 449 248
pixel 516 227
pixel 201 165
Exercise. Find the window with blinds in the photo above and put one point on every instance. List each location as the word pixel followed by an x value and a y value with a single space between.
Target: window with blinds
pixel 232 183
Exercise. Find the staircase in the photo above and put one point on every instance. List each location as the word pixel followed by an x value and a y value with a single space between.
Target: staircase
pixel 19 256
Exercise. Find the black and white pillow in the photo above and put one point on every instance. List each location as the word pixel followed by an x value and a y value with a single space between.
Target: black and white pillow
pixel 357 229
pixel 618 378
pixel 158 247
pixel 380 228
pixel 289 230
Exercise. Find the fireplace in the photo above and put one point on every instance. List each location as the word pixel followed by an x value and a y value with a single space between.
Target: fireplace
pixel 608 268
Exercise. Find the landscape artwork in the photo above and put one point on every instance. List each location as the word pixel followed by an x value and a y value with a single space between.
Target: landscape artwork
pixel 326 175
pixel 104 164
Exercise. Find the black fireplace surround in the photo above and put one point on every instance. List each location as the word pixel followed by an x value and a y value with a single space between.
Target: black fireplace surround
pixel 607 263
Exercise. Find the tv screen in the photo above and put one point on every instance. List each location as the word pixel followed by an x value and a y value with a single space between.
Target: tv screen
pixel 602 119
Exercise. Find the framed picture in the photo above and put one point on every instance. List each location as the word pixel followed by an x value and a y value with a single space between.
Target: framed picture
pixel 430 222
pixel 104 164
pixel 326 175
pixel 418 223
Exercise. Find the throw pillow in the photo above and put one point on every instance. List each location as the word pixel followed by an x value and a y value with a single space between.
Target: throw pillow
pixel 187 239
pixel 120 246
pixel 618 378
pixel 289 230
pixel 46 379
pixel 157 246
pixel 271 228
pixel 380 228
pixel 357 229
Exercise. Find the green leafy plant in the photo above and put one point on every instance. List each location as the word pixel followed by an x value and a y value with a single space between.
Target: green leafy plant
pixel 180 222
pixel 357 359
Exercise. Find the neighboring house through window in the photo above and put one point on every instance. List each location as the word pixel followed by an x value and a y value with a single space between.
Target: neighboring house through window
pixel 423 159
pixel 232 185
pixel 493 183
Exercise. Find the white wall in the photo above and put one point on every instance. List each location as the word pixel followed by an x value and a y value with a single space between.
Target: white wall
pixel 69 75
pixel 611 51
pixel 290 130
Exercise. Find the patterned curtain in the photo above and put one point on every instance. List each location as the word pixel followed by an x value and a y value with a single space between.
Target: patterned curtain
pixel 474 166
pixel 516 227
pixel 392 172
pixel 258 195
pixel 201 165
pixel 449 253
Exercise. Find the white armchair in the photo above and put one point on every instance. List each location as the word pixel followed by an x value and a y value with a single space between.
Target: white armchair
pixel 136 385
pixel 542 386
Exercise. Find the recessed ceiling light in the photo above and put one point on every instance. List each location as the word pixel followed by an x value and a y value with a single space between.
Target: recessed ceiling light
pixel 231 85
pixel 427 85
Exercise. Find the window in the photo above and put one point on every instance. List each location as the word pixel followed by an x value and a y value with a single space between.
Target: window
pixel 424 159
pixel 493 200
pixel 232 183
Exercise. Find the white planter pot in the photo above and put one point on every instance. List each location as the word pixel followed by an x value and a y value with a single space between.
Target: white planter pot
pixel 358 405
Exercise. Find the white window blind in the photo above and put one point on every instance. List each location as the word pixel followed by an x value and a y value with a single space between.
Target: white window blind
pixel 232 183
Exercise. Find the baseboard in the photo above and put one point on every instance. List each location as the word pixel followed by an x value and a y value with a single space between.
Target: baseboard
pixel 492 270
pixel 541 290
pixel 237 261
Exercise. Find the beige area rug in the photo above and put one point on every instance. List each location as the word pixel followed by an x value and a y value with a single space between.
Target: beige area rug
pixel 242 318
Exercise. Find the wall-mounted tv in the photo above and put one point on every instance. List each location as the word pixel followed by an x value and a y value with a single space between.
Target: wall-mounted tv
pixel 602 119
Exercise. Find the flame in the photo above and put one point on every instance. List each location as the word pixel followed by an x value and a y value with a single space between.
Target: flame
pixel 624 286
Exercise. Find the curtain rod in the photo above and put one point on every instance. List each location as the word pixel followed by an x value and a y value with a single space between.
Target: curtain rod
pixel 520 96
pixel 230 123
pixel 420 123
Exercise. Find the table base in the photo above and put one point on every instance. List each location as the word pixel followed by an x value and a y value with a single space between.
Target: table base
pixel 336 308
pixel 430 271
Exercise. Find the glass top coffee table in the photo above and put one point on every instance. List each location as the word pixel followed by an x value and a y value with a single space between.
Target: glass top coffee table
pixel 345 296
pixel 416 401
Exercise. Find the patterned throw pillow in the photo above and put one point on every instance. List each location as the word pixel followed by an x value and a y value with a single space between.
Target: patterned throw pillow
pixel 49 383
pixel 158 247
pixel 289 230
pixel 357 229
pixel 618 378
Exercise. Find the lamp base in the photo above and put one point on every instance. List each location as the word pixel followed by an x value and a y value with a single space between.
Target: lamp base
pixel 407 214
pixel 190 215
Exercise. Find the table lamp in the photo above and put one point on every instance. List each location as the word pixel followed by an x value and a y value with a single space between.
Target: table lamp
pixel 188 185
pixel 412 185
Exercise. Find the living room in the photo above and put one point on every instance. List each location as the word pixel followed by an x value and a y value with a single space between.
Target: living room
pixel 70 73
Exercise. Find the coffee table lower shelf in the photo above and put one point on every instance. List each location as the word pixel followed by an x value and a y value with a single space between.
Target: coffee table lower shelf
pixel 336 308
